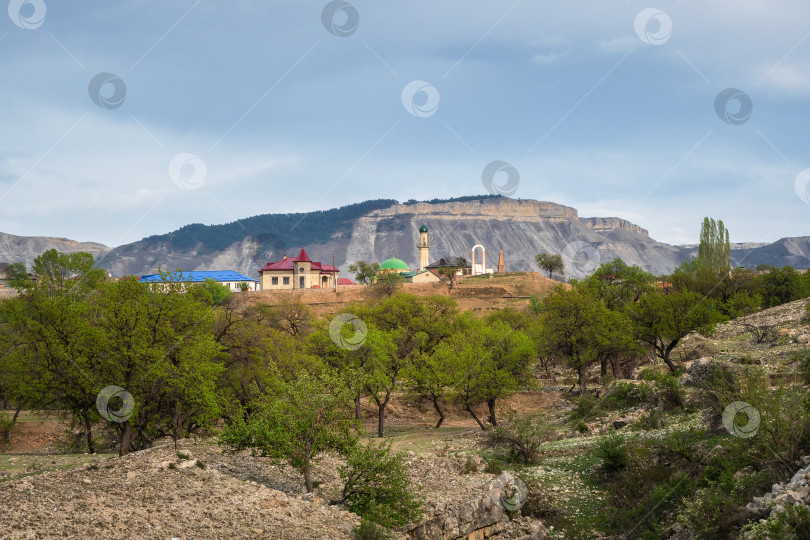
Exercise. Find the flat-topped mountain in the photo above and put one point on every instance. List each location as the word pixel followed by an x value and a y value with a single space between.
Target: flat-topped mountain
pixel 380 229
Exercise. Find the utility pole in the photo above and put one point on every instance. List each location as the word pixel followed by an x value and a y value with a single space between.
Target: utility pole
pixel 335 274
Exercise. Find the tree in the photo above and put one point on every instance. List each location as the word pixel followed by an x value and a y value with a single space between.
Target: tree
pixel 309 416
pixel 290 315
pixel 416 325
pixel 62 271
pixel 158 346
pixel 449 268
pixel 244 286
pixel 782 285
pixel 387 283
pixel 714 252
pixel 17 275
pixel 550 263
pixel 662 319
pixel 209 291
pixel 619 285
pixel 581 330
pixel 376 486
pixel 364 272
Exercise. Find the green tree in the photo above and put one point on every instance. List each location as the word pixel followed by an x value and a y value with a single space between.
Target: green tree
pixel 158 346
pixel 17 275
pixel 714 252
pixel 619 285
pixel 782 285
pixel 62 271
pixel 550 263
pixel 416 325
pixel 661 320
pixel 376 486
pixel 582 331
pixel 308 416
pixel 388 283
pixel 364 272
pixel 449 269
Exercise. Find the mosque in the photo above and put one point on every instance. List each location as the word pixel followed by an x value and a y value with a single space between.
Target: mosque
pixel 428 272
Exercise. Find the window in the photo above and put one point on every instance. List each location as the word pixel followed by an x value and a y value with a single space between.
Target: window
pixel 286 281
pixel 275 281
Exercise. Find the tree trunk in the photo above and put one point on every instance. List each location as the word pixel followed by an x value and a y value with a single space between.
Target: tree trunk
pixel 669 363
pixel 88 429
pixel 438 410
pixel 380 419
pixel 603 366
pixel 478 420
pixel 308 477
pixel 357 407
pixel 491 406
pixel 126 440
pixel 583 383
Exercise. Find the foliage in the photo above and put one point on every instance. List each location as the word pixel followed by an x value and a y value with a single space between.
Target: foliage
pixel 365 273
pixel 662 319
pixel 376 486
pixel 550 263
pixel 582 331
pixel 449 269
pixel 624 395
pixel 792 523
pixel 302 420
pixel 782 285
pixel 617 284
pixel 714 251
pixel 371 530
pixel 17 275
pixel 521 436
pixel 611 450
pixel 388 283
pixel 209 292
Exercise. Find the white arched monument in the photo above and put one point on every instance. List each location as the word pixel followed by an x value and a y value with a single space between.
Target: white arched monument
pixel 476 269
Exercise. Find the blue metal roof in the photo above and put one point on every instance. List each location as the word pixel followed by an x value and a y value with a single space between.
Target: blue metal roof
pixel 200 276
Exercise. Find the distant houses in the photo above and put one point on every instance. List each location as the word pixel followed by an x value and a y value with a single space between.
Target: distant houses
pixel 298 273
pixel 229 278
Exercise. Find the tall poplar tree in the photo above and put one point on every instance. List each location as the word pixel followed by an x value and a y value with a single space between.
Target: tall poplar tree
pixel 714 252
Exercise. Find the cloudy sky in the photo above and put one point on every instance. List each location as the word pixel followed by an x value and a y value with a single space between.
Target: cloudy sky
pixel 126 119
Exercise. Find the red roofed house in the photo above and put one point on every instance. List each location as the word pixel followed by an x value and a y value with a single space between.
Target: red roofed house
pixel 297 273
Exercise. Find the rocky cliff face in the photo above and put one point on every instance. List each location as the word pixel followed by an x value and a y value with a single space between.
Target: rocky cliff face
pixel 521 228
pixel 25 249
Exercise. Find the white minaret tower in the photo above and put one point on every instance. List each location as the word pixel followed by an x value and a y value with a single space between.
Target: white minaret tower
pixel 424 246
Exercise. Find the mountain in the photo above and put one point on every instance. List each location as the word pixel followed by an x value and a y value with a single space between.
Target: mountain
pixel 25 249
pixel 377 230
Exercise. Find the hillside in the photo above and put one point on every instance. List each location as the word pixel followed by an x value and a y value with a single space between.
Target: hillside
pixel 376 230
pixel 25 249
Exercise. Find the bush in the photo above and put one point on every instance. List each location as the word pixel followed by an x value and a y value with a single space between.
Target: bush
pixel 792 523
pixel 625 395
pixel 493 466
pixel 584 408
pixel 369 530
pixel 470 466
pixel 612 452
pixel 521 436
pixel 376 486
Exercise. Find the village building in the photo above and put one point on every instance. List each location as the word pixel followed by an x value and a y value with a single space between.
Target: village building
pixel 228 278
pixel 298 273
pixel 422 274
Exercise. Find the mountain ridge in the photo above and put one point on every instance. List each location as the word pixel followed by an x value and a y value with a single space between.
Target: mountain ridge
pixel 375 230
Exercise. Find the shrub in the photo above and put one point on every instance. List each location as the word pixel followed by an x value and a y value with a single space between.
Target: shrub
pixel 470 466
pixel 792 523
pixel 625 395
pixel 539 503
pixel 369 530
pixel 584 408
pixel 521 436
pixel 493 466
pixel 376 486
pixel 611 450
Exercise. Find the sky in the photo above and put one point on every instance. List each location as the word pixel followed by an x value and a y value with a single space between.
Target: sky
pixel 125 119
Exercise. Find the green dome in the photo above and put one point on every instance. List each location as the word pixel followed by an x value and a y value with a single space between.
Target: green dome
pixel 423 228
pixel 394 264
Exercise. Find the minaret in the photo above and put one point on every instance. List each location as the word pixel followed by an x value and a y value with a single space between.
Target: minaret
pixel 424 246
pixel 501 266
